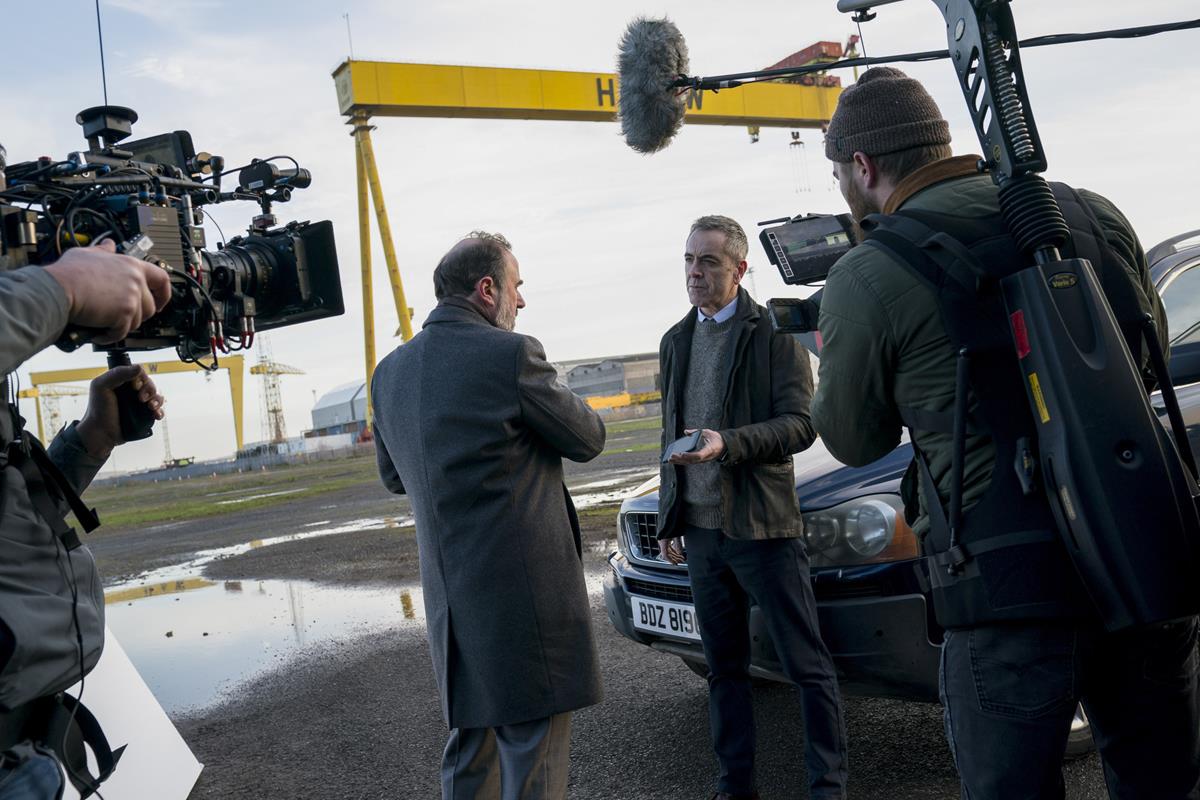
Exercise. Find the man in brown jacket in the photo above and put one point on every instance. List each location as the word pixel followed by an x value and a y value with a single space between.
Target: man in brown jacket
pixel 747 390
pixel 471 424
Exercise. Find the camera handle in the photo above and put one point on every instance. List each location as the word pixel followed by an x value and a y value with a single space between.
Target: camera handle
pixel 137 420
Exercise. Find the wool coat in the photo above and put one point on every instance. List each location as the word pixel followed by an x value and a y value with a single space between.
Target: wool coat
pixel 767 390
pixel 471 424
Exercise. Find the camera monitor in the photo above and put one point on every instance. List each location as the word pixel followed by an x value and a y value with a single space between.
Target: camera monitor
pixel 804 249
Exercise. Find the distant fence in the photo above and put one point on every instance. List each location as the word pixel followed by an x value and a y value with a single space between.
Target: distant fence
pixel 255 463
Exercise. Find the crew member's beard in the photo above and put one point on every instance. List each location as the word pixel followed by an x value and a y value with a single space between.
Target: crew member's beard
pixel 506 315
pixel 860 204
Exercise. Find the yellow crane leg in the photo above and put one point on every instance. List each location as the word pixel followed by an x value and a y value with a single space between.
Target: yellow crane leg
pixel 234 365
pixel 36 396
pixel 385 231
pixel 364 246
pixel 37 403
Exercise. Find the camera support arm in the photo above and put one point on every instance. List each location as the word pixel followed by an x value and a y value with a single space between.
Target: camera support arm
pixel 984 48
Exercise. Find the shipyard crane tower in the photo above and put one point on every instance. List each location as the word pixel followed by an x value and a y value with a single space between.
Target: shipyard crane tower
pixel 274 426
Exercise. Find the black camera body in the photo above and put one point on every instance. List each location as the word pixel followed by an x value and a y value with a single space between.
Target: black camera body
pixel 152 191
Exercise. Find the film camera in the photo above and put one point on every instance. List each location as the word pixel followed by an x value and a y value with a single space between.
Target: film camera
pixel 804 248
pixel 148 197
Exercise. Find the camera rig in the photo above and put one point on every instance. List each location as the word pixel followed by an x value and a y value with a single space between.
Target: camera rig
pixel 148 196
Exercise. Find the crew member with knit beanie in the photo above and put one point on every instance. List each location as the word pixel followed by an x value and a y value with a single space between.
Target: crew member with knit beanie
pixel 1023 645
pixel 732 503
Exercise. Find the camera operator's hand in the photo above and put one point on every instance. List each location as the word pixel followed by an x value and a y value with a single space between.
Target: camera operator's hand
pixel 100 428
pixel 109 291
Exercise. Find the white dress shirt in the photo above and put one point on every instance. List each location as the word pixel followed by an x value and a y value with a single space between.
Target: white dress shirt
pixel 722 315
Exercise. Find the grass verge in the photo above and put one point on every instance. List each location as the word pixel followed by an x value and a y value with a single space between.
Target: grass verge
pixel 648 424
pixel 148 502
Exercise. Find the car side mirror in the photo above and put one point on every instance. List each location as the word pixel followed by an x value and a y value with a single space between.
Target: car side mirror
pixel 1184 366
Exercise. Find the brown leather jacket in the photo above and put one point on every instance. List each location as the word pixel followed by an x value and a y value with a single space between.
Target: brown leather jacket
pixel 765 420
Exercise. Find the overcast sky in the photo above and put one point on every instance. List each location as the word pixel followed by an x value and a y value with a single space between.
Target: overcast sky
pixel 598 229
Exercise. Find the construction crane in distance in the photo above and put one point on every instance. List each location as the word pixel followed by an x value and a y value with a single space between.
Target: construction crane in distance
pixel 274 425
pixel 48 395
pixel 367 89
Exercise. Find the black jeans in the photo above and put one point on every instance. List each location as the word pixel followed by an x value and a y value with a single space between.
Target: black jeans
pixel 1010 691
pixel 726 575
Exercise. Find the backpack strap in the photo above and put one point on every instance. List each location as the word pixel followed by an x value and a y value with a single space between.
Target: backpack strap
pixel 49 489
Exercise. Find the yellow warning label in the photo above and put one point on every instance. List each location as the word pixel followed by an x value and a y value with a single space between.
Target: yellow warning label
pixel 1038 399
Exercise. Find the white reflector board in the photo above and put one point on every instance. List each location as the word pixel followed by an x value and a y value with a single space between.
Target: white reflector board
pixel 157 764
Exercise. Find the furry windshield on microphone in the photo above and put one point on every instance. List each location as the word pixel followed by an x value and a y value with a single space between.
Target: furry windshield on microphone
pixel 651 56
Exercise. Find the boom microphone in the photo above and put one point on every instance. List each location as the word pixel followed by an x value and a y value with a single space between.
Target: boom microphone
pixel 651 57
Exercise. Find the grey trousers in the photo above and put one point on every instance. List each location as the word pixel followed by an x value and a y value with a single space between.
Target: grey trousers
pixel 526 761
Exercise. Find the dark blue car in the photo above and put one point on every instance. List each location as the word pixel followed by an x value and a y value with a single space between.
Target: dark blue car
pixel 871 588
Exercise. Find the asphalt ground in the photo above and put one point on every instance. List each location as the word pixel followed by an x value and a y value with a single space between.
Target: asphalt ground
pixel 360 718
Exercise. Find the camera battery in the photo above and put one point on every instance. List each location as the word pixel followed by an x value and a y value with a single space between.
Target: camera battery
pixel 162 226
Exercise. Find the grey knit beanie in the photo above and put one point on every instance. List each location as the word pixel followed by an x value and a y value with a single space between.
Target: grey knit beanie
pixel 885 111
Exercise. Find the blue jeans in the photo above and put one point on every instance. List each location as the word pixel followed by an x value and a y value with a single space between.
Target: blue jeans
pixel 726 574
pixel 1009 693
pixel 27 773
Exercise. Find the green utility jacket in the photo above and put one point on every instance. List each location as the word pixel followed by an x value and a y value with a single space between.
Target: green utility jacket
pixel 885 345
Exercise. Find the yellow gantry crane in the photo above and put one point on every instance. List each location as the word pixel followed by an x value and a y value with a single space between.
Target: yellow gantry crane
pixel 234 365
pixel 367 89
pixel 45 399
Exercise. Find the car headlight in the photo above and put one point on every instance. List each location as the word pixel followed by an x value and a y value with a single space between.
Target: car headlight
pixel 865 530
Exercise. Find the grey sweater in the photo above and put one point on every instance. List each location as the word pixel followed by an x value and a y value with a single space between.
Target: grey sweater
pixel 703 395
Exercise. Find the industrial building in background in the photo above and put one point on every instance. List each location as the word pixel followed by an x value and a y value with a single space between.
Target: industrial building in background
pixel 636 374
pixel 618 387
pixel 340 415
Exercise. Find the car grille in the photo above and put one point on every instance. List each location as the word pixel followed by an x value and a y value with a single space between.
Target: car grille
pixel 662 591
pixel 641 531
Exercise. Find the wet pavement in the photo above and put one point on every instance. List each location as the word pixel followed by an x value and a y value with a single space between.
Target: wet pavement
pixel 207 623
pixel 197 642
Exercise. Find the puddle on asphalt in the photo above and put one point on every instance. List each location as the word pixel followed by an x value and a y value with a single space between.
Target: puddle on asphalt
pixel 202 558
pixel 196 642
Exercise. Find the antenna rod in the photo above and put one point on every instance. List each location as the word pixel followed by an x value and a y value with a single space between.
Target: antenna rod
pixel 103 72
pixel 349 38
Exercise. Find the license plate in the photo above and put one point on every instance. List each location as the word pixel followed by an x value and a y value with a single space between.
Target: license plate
pixel 667 619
